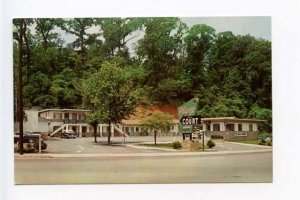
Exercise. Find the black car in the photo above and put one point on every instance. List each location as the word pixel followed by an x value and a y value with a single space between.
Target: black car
pixel 28 137
pixel 68 134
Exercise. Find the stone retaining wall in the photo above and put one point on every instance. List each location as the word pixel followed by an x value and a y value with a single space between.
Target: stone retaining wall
pixel 235 135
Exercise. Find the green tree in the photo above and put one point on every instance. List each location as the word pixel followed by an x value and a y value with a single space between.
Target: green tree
pixel 109 92
pixel 117 32
pixel 161 45
pixel 63 88
pixel 259 72
pixel 238 77
pixel 83 39
pixel 45 32
pixel 258 112
pixel 93 118
pixel 156 122
pixel 160 52
pixel 199 41
pixel 79 27
pixel 37 92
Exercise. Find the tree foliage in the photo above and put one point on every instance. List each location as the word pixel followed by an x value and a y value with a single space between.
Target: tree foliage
pixel 109 93
pixel 169 63
pixel 156 122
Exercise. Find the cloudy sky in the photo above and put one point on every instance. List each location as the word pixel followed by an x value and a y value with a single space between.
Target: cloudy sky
pixel 259 27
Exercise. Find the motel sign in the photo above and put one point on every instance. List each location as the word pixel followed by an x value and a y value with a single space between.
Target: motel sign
pixel 190 120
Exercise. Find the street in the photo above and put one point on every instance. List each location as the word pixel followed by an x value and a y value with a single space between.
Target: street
pixel 231 168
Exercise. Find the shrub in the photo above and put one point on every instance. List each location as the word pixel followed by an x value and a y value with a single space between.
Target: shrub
pixel 36 145
pixel 177 145
pixel 269 143
pixel 210 144
pixel 29 148
pixel 262 142
pixel 265 135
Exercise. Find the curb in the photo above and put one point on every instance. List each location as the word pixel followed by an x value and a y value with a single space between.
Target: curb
pixel 150 148
pixel 250 145
pixel 30 156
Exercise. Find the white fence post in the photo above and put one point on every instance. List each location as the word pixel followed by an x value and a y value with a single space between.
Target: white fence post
pixel 40 145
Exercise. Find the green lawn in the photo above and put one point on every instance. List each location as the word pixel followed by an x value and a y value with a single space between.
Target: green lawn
pixel 160 145
pixel 170 146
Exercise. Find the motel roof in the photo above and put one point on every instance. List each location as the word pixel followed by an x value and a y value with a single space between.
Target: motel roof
pixel 64 110
pixel 139 122
pixel 229 119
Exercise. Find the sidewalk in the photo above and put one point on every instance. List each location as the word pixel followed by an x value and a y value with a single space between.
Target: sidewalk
pixel 178 153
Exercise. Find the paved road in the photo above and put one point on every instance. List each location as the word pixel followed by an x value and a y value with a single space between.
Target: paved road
pixel 255 167
pixel 87 146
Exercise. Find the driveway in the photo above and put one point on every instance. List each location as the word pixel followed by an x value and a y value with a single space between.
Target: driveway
pixel 235 146
pixel 87 145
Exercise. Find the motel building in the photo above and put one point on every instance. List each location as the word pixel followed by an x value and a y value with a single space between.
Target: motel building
pixel 231 128
pixel 54 121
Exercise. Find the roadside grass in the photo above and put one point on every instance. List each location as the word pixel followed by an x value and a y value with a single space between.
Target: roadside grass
pixel 193 148
pixel 160 145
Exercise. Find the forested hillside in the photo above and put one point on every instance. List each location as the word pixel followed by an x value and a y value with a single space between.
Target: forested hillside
pixel 170 63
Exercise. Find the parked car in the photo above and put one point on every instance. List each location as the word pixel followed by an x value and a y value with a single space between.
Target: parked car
pixel 28 137
pixel 268 139
pixel 68 134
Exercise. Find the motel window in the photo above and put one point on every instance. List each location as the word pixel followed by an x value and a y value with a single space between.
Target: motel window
pixel 250 127
pixel 240 127
pixel 127 129
pixel 74 116
pixel 207 126
pixel 216 127
pixel 230 127
pixel 137 129
pixel 57 116
pixel 131 129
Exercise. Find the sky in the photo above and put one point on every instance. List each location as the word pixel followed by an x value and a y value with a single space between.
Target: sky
pixel 259 27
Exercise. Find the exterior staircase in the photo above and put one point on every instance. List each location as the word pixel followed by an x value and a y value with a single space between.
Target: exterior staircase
pixel 57 130
pixel 120 131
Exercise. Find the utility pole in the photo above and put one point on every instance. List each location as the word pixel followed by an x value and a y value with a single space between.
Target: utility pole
pixel 20 88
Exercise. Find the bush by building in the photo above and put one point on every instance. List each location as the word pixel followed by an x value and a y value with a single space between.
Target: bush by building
pixel 43 145
pixel 177 145
pixel 210 144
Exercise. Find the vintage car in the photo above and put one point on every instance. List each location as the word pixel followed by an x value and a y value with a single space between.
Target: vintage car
pixel 28 137
pixel 68 134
